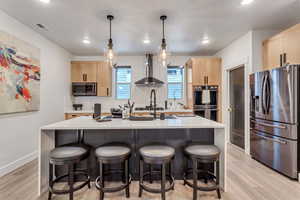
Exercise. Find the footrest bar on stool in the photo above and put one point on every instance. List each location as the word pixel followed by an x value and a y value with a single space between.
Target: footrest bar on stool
pixel 154 190
pixel 205 189
pixel 111 189
pixel 76 173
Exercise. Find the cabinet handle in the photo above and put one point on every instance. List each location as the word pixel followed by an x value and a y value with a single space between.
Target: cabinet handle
pixel 284 58
pixel 205 80
pixel 84 77
pixel 280 60
pixel 107 91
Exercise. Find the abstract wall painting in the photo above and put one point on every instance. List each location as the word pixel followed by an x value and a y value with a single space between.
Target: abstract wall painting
pixel 19 75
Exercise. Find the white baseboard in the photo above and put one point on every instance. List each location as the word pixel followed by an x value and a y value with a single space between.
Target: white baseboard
pixel 17 163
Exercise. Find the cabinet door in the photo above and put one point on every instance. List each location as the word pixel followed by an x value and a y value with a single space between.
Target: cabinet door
pixel 272 51
pixel 83 71
pixel 89 70
pixel 198 71
pixel 104 80
pixel 213 71
pixel 291 45
pixel 76 72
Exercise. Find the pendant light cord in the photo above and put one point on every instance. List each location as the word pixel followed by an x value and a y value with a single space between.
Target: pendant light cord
pixel 110 29
pixel 163 29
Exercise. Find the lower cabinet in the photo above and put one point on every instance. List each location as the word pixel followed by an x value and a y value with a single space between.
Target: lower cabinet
pixel 74 115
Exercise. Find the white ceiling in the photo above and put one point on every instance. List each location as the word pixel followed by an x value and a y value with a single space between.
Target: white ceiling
pixel 222 21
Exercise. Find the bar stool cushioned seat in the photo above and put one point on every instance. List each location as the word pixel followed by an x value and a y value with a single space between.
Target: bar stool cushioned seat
pixel 112 152
pixel 203 151
pixel 68 153
pixel 159 153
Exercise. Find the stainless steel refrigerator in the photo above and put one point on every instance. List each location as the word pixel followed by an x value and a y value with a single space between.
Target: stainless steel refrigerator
pixel 274 114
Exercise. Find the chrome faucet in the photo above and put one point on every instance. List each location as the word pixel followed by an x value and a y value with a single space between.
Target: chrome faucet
pixel 153 95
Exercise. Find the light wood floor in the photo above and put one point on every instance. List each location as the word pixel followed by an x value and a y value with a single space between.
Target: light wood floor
pixel 248 180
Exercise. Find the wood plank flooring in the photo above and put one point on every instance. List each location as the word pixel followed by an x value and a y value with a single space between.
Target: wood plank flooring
pixel 248 180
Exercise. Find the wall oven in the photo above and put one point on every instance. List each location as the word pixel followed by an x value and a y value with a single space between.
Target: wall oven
pixel 204 107
pixel 84 89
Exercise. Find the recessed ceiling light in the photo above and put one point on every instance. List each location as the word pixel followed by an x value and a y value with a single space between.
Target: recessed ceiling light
pixel 45 1
pixel 205 41
pixel 246 2
pixel 146 41
pixel 86 41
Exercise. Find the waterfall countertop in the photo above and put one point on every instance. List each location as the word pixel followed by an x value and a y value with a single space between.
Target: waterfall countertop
pixel 87 122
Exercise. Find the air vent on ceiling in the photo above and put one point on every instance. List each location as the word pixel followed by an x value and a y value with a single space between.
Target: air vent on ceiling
pixel 41 26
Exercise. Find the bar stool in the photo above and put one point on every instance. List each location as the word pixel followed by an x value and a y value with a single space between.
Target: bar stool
pixel 202 154
pixel 113 154
pixel 67 155
pixel 156 155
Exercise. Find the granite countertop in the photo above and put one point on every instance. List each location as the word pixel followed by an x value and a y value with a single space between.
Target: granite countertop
pixel 86 122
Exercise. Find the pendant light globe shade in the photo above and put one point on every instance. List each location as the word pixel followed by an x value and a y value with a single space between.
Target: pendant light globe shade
pixel 109 53
pixel 163 54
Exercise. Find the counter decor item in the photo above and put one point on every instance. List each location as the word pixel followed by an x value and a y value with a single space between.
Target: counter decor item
pixel 77 107
pixel 19 75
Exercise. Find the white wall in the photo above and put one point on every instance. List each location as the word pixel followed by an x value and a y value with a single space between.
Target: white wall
pixel 258 36
pixel 140 95
pixel 247 51
pixel 19 132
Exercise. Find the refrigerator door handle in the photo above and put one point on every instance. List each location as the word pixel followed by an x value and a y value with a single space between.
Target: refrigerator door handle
pixel 268 125
pixel 263 95
pixel 268 93
pixel 271 139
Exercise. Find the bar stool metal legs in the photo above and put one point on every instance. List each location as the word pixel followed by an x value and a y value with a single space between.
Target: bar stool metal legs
pixel 142 177
pixel 195 179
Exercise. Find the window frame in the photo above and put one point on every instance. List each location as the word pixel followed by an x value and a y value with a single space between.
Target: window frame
pixel 181 82
pixel 127 83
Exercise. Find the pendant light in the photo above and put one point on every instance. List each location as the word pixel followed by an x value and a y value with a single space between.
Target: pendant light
pixel 163 51
pixel 110 53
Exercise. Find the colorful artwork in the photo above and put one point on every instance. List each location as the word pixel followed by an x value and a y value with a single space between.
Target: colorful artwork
pixel 19 75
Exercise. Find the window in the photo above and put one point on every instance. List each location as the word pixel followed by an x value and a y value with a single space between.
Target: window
pixel 175 82
pixel 123 82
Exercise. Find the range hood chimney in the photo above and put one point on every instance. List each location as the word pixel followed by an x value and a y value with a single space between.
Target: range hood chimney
pixel 149 81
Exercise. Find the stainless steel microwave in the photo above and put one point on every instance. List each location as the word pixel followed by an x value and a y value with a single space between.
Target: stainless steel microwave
pixel 84 89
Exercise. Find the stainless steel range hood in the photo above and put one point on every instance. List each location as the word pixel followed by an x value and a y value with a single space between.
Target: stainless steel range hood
pixel 149 81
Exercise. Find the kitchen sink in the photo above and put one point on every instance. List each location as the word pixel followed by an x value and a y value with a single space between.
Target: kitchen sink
pixel 170 117
pixel 141 118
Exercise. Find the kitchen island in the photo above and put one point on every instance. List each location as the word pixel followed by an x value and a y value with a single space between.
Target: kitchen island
pixel 175 132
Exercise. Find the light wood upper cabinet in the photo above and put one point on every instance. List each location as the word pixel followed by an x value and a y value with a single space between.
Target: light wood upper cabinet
pixel 282 48
pixel 104 80
pixel 272 50
pixel 213 71
pixel 93 71
pixel 291 45
pixel 205 69
pixel 198 71
pixel 189 85
pixel 84 71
